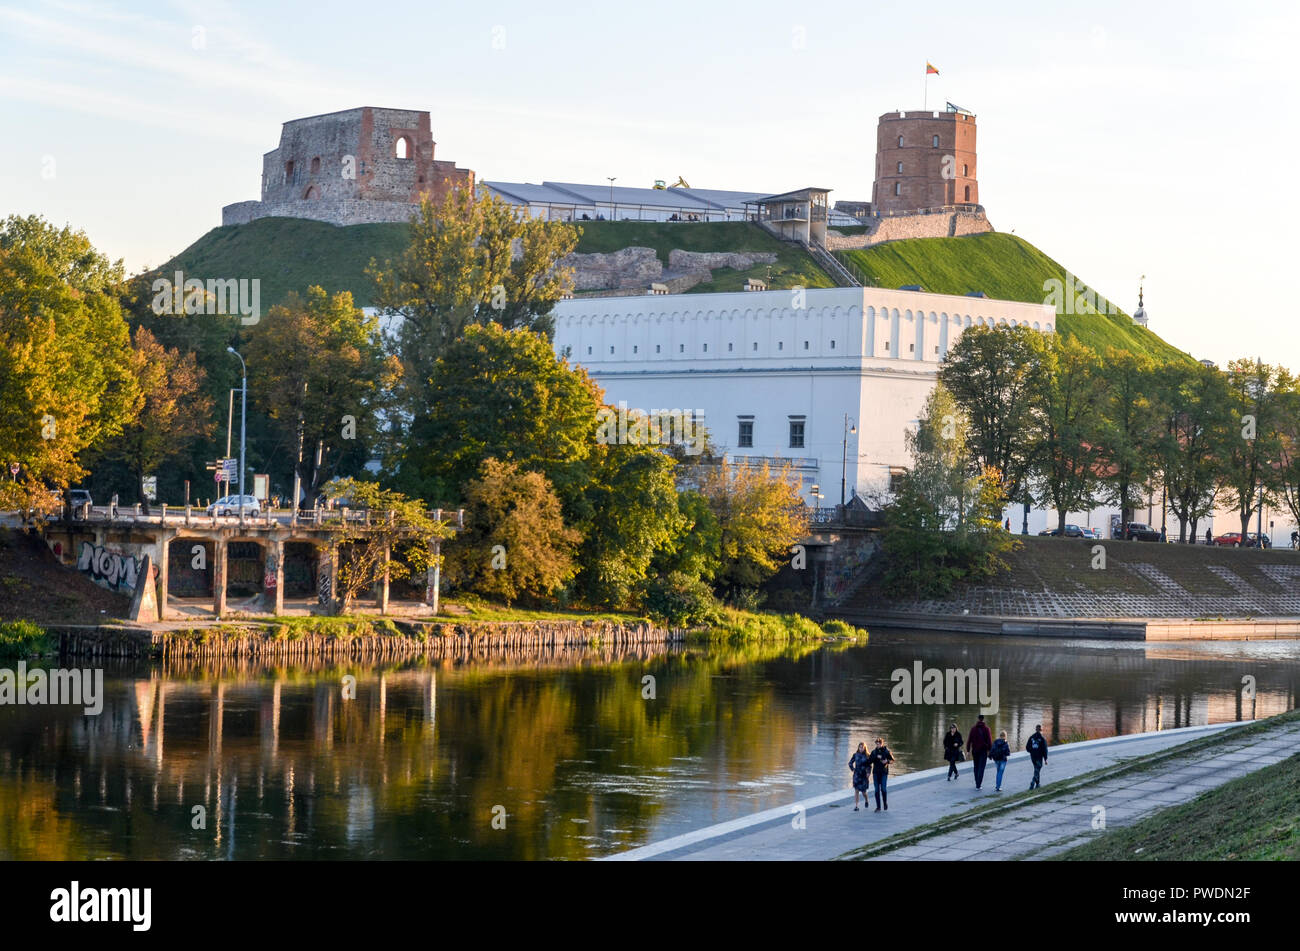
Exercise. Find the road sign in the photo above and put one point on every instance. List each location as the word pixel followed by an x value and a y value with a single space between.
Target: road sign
pixel 231 468
pixel 151 488
pixel 13 469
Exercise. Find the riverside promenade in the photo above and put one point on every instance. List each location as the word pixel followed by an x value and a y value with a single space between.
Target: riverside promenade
pixel 1037 825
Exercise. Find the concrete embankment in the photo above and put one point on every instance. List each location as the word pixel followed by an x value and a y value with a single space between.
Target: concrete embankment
pixel 443 640
pixel 1060 587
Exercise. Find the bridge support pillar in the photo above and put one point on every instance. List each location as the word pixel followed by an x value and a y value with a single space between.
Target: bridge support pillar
pixel 164 556
pixel 326 582
pixel 219 577
pixel 383 582
pixel 435 575
pixel 277 552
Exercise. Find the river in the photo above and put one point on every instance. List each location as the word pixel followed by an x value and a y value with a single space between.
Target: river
pixel 557 757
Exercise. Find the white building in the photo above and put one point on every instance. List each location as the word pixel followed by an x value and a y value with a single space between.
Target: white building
pixel 776 373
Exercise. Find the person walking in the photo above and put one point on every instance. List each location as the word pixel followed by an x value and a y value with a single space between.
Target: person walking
pixel 1209 537
pixel 952 750
pixel 860 763
pixel 978 744
pixel 880 760
pixel 1037 750
pixel 1000 754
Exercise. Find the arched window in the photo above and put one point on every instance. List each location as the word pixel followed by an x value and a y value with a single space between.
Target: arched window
pixel 288 172
pixel 968 194
pixel 315 165
pixel 934 142
pixel 898 188
pixel 900 141
pixel 965 170
pixel 312 193
pixel 900 168
pixel 403 148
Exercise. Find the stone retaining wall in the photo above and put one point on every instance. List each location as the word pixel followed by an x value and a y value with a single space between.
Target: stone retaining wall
pixel 903 227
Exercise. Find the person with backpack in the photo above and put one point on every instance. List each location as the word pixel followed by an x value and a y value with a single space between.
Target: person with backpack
pixel 880 760
pixel 952 750
pixel 1000 754
pixel 860 763
pixel 978 744
pixel 1037 750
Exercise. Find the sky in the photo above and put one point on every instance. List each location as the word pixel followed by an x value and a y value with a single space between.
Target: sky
pixel 1122 138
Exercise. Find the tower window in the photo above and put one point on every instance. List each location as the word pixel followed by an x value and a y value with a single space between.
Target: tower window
pixel 898 188
pixel 745 438
pixel 934 142
pixel 315 165
pixel 900 141
pixel 967 193
pixel 900 168
pixel 402 149
pixel 288 171
pixel 965 170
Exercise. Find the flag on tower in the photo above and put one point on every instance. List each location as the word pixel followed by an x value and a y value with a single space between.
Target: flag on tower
pixel 929 69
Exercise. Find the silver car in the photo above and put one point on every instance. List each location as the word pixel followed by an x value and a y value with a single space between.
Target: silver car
pixel 229 505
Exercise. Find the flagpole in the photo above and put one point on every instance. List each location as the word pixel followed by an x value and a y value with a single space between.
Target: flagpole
pixel 925 98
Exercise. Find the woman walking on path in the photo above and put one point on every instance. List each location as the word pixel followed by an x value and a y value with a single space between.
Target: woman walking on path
pixel 952 750
pixel 880 760
pixel 860 763
pixel 1000 754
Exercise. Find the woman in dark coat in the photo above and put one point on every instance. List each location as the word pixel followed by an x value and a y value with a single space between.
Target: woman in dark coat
pixel 860 763
pixel 952 750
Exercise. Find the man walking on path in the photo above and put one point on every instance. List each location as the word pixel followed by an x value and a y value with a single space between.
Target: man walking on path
pixel 978 744
pixel 880 760
pixel 1037 750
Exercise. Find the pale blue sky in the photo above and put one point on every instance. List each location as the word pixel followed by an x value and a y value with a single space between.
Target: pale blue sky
pixel 1122 138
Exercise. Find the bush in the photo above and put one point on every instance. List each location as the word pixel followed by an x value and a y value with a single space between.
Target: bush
pixel 23 639
pixel 680 600
pixel 838 628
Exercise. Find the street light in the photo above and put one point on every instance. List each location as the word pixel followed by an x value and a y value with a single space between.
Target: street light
pixel 243 419
pixel 844 461
pixel 611 195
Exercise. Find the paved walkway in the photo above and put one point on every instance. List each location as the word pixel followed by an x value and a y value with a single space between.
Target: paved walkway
pixel 1039 826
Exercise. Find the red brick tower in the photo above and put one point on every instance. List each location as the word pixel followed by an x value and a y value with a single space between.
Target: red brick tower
pixel 924 160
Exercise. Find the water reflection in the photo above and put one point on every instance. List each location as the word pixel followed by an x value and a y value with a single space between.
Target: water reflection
pixel 565 746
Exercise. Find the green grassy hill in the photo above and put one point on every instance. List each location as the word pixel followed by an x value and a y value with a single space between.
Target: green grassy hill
pixel 291 254
pixel 1006 267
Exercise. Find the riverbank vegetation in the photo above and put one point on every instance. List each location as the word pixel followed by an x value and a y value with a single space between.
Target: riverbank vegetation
pixel 24 639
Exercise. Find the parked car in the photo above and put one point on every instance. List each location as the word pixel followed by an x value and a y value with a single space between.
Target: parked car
pixel 1237 540
pixel 1071 531
pixel 1092 533
pixel 1140 532
pixel 229 505
pixel 79 497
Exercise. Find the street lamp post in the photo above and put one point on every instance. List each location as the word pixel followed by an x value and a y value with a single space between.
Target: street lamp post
pixel 611 195
pixel 844 460
pixel 243 421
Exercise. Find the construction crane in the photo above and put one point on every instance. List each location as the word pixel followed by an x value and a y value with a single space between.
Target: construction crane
pixel 680 183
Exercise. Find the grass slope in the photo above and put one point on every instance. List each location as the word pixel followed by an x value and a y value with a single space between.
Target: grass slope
pixel 1005 267
pixel 1252 818
pixel 291 254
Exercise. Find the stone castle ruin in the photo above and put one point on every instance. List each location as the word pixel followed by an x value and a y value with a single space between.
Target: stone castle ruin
pixel 353 167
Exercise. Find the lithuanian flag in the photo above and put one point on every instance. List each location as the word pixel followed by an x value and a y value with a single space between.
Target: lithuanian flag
pixel 929 68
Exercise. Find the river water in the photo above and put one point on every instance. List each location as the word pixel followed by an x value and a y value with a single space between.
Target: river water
pixel 558 757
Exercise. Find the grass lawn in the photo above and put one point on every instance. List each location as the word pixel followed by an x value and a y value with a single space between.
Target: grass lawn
pixel 1255 817
pixel 1006 267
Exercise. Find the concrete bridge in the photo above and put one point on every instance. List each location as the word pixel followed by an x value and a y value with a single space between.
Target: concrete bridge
pixel 195 555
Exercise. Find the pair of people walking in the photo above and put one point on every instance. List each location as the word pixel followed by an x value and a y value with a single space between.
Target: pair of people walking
pixel 867 766
pixel 983 747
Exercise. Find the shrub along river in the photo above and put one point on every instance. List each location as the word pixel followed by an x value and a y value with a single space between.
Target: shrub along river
pixel 563 756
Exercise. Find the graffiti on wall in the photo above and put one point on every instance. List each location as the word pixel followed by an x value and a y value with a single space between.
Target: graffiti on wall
pixel 110 568
pixel 323 583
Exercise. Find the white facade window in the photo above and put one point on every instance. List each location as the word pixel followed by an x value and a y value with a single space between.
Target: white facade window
pixel 656 348
pixel 589 351
pixel 796 433
pixel 911 348
pixel 886 346
pixel 634 348
pixel 611 351
pixel 755 344
pixel 681 348
pixel 832 344
pixel 745 438
pixel 780 345
pixel 706 348
pixel 805 344
pixel 728 348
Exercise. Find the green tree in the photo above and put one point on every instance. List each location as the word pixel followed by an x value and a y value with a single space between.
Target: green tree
pixel 394 541
pixel 515 543
pixel 317 367
pixel 1248 474
pixel 997 377
pixel 695 551
pixel 634 516
pixel 942 470
pixel 503 394
pixel 472 259
pixel 66 383
pixel 1193 405
pixel 1066 470
pixel 174 413
pixel 1288 458
pixel 1130 428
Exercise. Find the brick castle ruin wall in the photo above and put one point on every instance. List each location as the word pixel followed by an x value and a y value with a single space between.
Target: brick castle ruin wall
pixel 358 166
